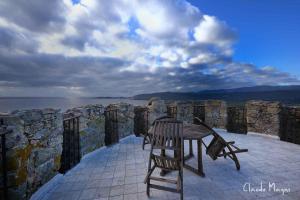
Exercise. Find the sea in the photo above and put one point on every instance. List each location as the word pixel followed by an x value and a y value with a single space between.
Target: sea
pixel 9 104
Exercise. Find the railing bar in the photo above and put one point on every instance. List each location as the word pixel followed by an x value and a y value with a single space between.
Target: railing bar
pixel 3 143
pixel 78 139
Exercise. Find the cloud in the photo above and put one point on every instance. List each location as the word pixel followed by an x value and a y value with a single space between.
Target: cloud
pixel 119 48
pixel 34 14
pixel 15 42
pixel 210 30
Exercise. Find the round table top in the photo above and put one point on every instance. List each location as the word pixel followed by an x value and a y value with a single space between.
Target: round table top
pixel 192 131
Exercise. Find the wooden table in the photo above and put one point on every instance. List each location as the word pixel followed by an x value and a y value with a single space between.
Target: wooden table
pixel 192 132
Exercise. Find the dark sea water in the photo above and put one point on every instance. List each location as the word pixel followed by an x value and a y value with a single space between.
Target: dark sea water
pixel 10 104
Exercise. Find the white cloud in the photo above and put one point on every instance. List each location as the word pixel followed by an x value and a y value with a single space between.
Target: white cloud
pixel 213 31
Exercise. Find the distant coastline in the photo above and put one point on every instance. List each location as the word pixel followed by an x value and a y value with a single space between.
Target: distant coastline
pixel 9 104
pixel 64 97
pixel 289 95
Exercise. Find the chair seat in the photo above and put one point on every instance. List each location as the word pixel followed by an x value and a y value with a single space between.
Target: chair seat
pixel 215 147
pixel 166 162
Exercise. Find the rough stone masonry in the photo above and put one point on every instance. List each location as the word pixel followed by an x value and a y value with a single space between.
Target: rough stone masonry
pixel 263 117
pixel 216 113
pixel 33 149
pixel 91 127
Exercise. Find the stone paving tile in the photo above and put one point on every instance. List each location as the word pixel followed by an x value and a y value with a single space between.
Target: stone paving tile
pixel 121 197
pixel 74 195
pixel 116 190
pixel 103 192
pixel 130 179
pixel 88 194
pixel 131 188
pixel 117 172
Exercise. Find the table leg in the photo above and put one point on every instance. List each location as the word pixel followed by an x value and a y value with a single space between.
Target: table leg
pixel 182 149
pixel 199 169
pixel 200 164
pixel 191 148
pixel 163 153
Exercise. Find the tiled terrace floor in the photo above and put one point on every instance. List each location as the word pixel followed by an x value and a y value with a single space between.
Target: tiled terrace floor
pixel 117 172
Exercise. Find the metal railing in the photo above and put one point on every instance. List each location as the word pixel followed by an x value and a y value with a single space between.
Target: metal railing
pixel 3 132
pixel 141 121
pixel 71 143
pixel 199 112
pixel 111 126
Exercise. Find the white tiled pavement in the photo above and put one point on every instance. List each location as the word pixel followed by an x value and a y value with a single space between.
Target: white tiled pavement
pixel 118 171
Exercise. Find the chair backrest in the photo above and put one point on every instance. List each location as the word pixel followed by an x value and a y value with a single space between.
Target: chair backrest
pixel 160 118
pixel 167 134
pixel 216 145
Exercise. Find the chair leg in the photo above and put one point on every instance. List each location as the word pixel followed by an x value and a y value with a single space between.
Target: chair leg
pixel 191 148
pixel 233 157
pixel 224 152
pixel 148 187
pixel 150 170
pixel 237 164
pixel 181 184
pixel 145 141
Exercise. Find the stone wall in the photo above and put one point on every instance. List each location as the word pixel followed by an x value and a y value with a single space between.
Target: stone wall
pixel 35 145
pixel 185 111
pixel 263 117
pixel 290 125
pixel 33 149
pixel 125 119
pixel 236 119
pixel 91 127
pixel 216 113
pixel 157 108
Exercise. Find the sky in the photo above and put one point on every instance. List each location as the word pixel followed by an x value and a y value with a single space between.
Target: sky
pixel 268 30
pixel 126 47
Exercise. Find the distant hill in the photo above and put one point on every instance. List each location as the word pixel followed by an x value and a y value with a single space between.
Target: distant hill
pixel 284 94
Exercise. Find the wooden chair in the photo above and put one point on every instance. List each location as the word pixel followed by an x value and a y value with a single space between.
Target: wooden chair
pixel 147 136
pixel 167 135
pixel 218 147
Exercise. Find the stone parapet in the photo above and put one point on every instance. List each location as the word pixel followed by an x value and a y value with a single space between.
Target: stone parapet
pixel 91 126
pixel 184 111
pixel 263 117
pixel 33 149
pixel 290 125
pixel 216 113
pixel 125 118
pixel 157 108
